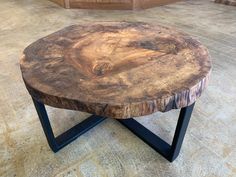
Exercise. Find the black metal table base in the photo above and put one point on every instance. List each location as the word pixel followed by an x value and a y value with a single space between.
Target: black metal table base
pixel 170 152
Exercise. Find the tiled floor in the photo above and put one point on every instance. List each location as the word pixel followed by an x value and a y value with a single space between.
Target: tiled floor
pixel 109 150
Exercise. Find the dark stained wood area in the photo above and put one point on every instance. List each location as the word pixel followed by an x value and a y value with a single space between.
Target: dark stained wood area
pixel 116 69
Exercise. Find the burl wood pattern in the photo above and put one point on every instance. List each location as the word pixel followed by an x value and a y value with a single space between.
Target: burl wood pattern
pixel 227 2
pixel 119 69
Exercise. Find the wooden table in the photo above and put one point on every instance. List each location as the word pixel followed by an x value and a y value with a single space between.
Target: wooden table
pixel 118 70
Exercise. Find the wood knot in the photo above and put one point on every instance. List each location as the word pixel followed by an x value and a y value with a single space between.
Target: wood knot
pixel 102 68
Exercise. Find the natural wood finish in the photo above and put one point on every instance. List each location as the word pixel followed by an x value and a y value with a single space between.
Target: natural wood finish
pixel 116 69
pixel 227 2
pixel 112 4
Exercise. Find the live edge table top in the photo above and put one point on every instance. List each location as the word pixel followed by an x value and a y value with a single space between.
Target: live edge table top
pixel 116 69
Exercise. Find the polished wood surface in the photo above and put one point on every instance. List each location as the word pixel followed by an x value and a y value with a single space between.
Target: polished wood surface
pixel 112 4
pixel 116 69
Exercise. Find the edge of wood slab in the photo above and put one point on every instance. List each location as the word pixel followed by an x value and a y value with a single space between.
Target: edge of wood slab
pixel 125 111
pixel 121 110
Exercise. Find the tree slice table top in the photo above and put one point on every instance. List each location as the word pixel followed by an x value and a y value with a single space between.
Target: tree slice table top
pixel 116 69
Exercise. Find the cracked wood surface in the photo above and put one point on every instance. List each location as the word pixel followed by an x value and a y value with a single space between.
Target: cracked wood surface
pixel 116 69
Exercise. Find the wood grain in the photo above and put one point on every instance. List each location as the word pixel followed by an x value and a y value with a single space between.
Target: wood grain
pixel 116 69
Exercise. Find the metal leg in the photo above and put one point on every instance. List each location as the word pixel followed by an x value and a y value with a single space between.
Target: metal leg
pixel 57 143
pixel 170 152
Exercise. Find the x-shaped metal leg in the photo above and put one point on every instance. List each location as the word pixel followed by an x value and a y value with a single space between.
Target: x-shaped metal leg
pixel 170 152
pixel 57 143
